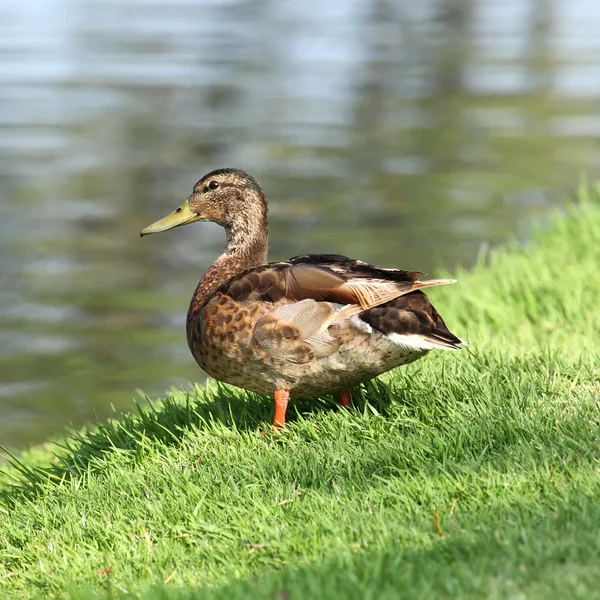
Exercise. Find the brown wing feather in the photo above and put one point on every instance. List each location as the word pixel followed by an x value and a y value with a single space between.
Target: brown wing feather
pixel 411 314
pixel 340 263
pixel 326 277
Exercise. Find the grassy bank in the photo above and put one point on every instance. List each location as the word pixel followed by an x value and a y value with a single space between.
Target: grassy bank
pixel 467 474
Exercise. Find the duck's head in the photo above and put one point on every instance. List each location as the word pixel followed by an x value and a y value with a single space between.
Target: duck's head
pixel 230 197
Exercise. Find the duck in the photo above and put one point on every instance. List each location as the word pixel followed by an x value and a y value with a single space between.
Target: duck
pixel 312 325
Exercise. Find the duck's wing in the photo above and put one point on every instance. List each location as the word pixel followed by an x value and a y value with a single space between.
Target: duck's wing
pixel 334 278
pixel 304 296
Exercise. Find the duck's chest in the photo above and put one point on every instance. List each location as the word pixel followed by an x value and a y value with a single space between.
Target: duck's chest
pixel 220 336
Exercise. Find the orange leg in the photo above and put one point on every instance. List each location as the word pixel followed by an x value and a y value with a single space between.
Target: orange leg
pixel 344 398
pixel 281 402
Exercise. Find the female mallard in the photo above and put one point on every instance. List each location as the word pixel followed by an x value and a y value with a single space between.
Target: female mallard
pixel 315 324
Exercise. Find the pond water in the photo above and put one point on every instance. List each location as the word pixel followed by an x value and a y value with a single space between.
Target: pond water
pixel 402 133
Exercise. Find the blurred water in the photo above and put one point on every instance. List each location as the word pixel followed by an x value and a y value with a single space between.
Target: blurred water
pixel 405 133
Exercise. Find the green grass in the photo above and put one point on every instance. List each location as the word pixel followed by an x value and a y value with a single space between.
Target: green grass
pixel 500 441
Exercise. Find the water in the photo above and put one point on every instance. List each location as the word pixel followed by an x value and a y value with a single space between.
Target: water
pixel 402 133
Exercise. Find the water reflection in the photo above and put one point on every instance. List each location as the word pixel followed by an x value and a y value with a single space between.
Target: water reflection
pixel 402 133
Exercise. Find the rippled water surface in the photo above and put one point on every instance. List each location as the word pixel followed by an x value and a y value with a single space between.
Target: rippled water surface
pixel 403 133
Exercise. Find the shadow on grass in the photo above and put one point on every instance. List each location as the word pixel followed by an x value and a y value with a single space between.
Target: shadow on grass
pixel 83 451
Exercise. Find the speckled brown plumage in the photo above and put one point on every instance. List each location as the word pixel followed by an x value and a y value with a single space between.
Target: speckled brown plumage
pixel 314 324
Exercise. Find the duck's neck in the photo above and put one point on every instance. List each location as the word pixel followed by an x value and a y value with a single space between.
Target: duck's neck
pixel 247 247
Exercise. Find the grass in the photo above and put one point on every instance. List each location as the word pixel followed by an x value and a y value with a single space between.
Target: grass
pixel 472 474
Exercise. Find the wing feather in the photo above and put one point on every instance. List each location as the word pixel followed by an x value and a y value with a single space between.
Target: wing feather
pixel 326 278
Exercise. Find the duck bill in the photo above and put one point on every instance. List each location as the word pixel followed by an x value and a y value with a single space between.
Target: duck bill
pixel 182 216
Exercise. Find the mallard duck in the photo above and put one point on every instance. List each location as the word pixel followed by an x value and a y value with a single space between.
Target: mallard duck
pixel 314 324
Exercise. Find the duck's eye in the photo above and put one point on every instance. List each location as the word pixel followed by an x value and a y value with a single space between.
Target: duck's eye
pixel 213 185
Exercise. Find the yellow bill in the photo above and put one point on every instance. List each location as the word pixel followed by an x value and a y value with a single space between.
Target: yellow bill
pixel 181 216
